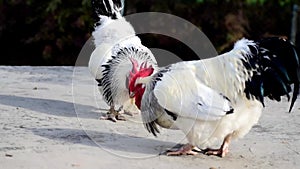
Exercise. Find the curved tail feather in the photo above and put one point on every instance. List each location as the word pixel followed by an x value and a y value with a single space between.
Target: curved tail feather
pixel 295 94
pixel 282 63
pixel 275 65
pixel 109 8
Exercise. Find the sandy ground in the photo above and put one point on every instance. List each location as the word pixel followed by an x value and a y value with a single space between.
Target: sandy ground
pixel 40 127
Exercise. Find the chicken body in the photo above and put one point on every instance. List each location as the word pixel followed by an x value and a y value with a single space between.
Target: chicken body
pixel 218 99
pixel 118 52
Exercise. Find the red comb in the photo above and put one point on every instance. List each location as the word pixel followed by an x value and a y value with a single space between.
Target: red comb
pixel 143 68
pixel 134 65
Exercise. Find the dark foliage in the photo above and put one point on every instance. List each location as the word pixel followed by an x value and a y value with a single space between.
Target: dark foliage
pixel 53 32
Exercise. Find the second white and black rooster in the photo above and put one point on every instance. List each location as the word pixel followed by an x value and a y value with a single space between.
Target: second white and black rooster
pixel 218 99
pixel 118 57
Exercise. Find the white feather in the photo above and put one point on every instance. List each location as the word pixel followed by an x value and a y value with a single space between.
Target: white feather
pixel 112 31
pixel 190 98
pixel 187 83
pixel 210 134
pixel 111 37
pixel 243 45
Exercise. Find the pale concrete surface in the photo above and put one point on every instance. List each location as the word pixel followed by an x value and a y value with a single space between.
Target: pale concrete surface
pixel 40 128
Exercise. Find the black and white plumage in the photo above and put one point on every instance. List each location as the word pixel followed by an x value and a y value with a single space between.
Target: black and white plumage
pixel 220 98
pixel 118 52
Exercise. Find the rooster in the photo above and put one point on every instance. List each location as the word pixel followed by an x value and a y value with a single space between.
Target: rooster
pixel 118 56
pixel 218 99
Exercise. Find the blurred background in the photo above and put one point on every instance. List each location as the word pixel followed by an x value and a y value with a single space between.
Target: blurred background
pixel 52 32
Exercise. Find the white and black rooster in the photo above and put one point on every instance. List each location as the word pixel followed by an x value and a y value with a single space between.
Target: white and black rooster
pixel 119 55
pixel 218 99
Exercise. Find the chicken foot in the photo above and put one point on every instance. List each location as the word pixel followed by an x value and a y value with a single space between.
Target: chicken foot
pixel 187 149
pixel 223 150
pixel 113 115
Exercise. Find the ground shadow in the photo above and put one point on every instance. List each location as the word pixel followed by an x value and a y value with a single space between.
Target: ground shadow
pixel 49 106
pixel 110 142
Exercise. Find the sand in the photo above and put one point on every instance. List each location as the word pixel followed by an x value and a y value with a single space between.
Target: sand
pixel 49 118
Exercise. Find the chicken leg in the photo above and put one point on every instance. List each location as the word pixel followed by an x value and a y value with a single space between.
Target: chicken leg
pixel 223 150
pixel 187 149
pixel 113 115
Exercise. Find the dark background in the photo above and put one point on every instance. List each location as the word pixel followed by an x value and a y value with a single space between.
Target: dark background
pixel 36 32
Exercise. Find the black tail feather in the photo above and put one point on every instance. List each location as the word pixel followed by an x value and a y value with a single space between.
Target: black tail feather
pixel 280 68
pixel 109 8
pixel 274 86
pixel 295 94
pixel 152 128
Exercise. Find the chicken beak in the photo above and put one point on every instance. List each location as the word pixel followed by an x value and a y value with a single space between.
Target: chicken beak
pixel 132 101
pixel 131 95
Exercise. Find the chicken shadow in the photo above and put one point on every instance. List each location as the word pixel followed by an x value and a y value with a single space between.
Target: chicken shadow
pixel 123 145
pixel 49 106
